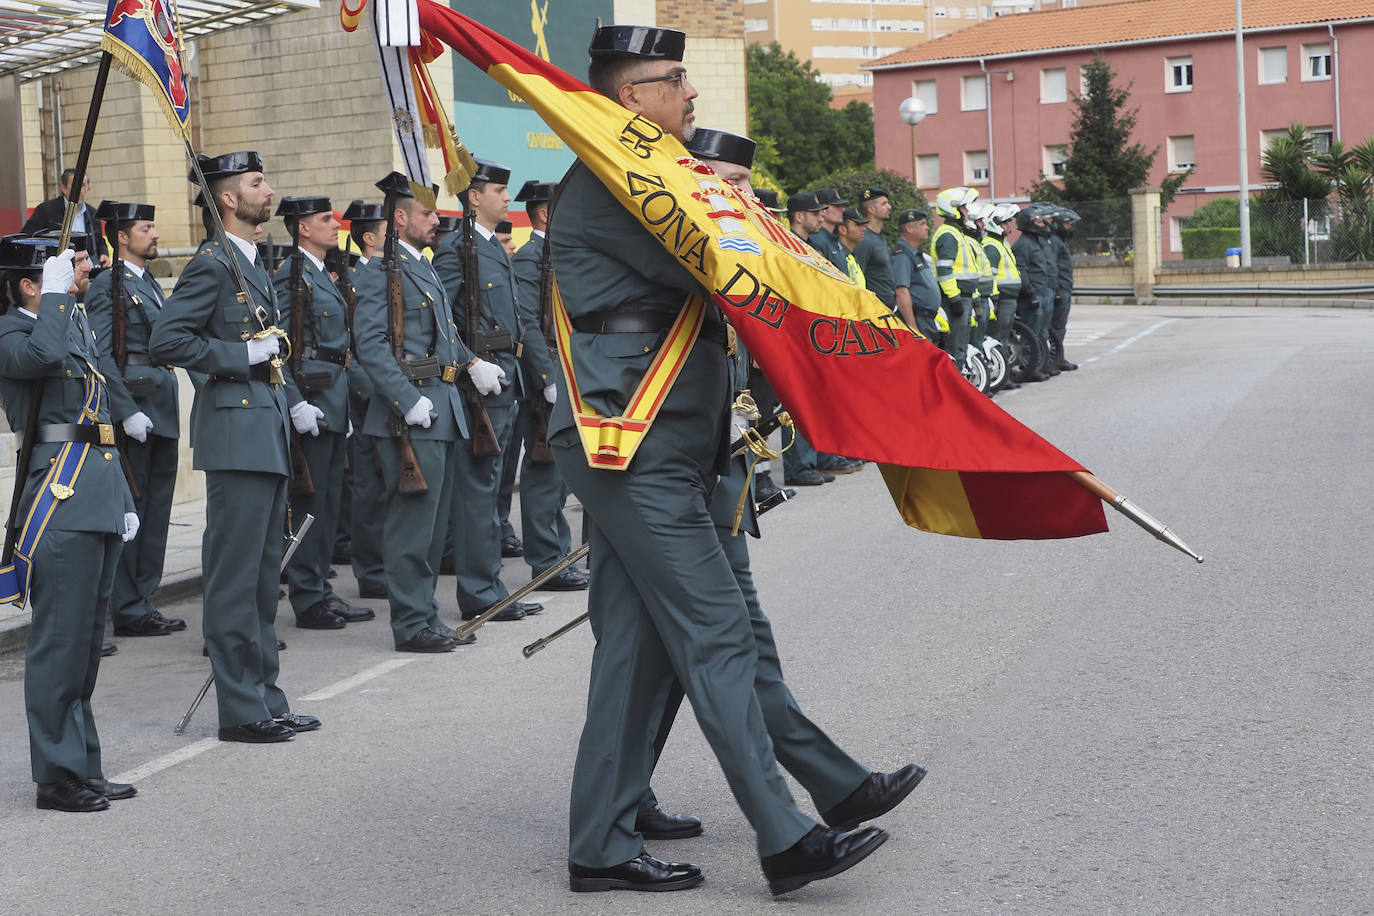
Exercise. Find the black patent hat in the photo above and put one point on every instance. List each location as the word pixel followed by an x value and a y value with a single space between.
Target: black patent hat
pixel 637 41
pixel 229 164
pixel 535 191
pixel 364 211
pixel 299 207
pixel 491 172
pixel 769 198
pixel 721 145
pixel 398 185
pixel 122 212
pixel 504 228
pixel 448 224
pixel 28 252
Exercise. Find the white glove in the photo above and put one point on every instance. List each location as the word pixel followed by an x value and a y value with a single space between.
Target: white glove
pixel 137 426
pixel 487 376
pixel 59 273
pixel 419 414
pixel 260 351
pixel 306 418
pixel 551 393
pixel 130 526
pixel 739 422
pixel 349 434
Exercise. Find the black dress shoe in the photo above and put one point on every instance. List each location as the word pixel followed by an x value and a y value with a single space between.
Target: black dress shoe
pixel 822 853
pixel 332 573
pixel 319 617
pixel 427 641
pixel 1066 366
pixel 268 731
pixel 875 796
pixel 281 645
pixel 445 630
pixel 147 625
pixel 348 612
pixel 517 611
pixel 657 824
pixel 367 591
pixel 642 873
pixel 70 794
pixel 111 790
pixel 569 580
pixel 108 649
pixel 809 477
pixel 511 546
pixel 175 624
pixel 297 723
pixel 764 487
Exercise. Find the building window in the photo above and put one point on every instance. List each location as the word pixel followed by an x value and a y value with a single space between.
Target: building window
pixel 1269 136
pixel 1176 226
pixel 955 12
pixel 1321 139
pixel 925 91
pixel 941 12
pixel 1316 62
pixel 974 96
pixel 756 25
pixel 1178 74
pixel 928 170
pixel 1273 65
pixel 976 167
pixel 1053 86
pixel 1054 159
pixel 970 12
pixel 1181 156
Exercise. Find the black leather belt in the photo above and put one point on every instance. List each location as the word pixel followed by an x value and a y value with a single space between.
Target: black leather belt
pixel 95 433
pixel 261 372
pixel 141 359
pixel 628 322
pixel 325 354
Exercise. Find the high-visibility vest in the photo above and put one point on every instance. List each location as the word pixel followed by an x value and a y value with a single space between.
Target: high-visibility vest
pixel 951 272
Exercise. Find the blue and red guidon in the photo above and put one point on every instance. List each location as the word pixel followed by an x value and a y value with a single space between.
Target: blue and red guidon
pixel 141 36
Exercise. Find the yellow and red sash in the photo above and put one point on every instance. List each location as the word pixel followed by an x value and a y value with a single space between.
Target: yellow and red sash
pixel 611 442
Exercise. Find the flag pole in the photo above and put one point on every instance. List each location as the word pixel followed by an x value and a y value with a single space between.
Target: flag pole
pixel 1131 511
pixel 102 76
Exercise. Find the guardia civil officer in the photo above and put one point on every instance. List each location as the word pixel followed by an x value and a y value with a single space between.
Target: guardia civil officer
pixel 240 431
pixel 663 599
pixel 1003 263
pixel 316 382
pixel 872 253
pixel 415 407
pixel 846 791
pixel 1037 291
pixel 75 513
pixel 955 270
pixel 1062 221
pixel 474 526
pixel 367 231
pixel 547 538
pixel 917 293
pixel 144 401
pixel 826 238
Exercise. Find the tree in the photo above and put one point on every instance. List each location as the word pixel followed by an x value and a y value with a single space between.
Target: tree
pixel 1277 220
pixel 901 193
pixel 790 107
pixel 1103 164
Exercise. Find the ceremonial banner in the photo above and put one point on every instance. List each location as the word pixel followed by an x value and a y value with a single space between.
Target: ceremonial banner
pixel 857 381
pixel 142 38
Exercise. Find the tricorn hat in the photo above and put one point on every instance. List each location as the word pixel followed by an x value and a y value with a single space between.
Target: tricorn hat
pixel 492 172
pixel 298 207
pixel 723 146
pixel 637 41
pixel 535 191
pixel 122 212
pixel 359 210
pixel 769 198
pixel 229 164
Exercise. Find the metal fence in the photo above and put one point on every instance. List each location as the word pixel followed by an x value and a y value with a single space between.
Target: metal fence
pixel 1105 229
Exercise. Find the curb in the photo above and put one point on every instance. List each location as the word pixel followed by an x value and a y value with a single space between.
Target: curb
pixel 14 634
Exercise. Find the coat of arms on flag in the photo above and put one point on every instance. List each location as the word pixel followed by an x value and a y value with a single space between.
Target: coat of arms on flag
pixel 143 39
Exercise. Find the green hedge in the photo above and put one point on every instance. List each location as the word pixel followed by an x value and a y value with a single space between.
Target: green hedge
pixel 1199 244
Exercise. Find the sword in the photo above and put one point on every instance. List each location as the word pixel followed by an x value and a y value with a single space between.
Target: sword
pixel 472 625
pixel 293 542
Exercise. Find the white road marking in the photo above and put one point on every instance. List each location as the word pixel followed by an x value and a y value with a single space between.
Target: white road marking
pixel 158 764
pixel 362 677
pixel 1130 340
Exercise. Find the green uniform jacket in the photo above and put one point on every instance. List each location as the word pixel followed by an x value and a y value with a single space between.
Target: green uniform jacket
pixel 142 308
pixel 1030 261
pixel 202 329
pixel 1063 262
pixel 828 243
pixel 496 300
pixel 430 331
pixel 359 382
pixel 325 325
pixel 876 263
pixel 53 348
pixel 537 362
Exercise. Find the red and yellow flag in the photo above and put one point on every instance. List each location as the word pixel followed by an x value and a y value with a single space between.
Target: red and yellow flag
pixel 857 381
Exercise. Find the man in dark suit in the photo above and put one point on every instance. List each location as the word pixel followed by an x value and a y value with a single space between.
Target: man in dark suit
pixel 49 214
pixel 78 511
pixel 240 429
pixel 143 400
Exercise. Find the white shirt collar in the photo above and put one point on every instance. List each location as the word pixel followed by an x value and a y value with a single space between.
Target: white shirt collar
pixel 363 261
pixel 250 251
pixel 24 311
pixel 483 231
pixel 138 271
pixel 319 265
pixel 538 232
pixel 410 248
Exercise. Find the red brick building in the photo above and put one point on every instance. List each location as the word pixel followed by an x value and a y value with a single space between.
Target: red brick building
pixel 999 94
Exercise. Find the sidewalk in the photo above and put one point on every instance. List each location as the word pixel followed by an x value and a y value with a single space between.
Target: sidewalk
pixel 180 574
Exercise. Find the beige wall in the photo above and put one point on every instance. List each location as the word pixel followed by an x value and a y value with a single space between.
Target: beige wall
pixel 714 58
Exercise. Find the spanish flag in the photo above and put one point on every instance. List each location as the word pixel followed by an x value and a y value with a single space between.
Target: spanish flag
pixel 857 381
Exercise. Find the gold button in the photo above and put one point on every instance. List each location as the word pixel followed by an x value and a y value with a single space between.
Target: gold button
pixel 69 373
pixel 245 402
pixel 109 457
pixel 61 308
pixel 52 461
pixel 647 349
pixel 245 319
pixel 396 403
pixel 424 305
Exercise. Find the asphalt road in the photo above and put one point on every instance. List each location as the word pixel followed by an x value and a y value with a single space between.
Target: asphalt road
pixel 1109 727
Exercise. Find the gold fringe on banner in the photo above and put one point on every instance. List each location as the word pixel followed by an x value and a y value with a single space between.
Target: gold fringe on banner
pixel 131 64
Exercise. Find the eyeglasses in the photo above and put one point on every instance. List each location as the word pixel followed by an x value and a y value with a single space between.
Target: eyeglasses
pixel 678 76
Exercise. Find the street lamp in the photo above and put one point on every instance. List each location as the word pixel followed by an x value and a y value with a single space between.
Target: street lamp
pixel 913 112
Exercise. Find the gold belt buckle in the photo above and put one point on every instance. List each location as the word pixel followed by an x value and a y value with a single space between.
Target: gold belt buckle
pixel 106 434
pixel 449 373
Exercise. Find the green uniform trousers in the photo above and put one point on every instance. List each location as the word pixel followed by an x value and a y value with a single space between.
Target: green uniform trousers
pixel 543 526
pixel 72 575
pixel 474 526
pixel 153 466
pixel 307 574
pixel 413 534
pixel 368 496
pixel 245 518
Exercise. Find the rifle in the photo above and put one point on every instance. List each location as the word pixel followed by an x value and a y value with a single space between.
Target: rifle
pixel 540 453
pixel 484 441
pixel 119 333
pixel 409 477
pixel 302 484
